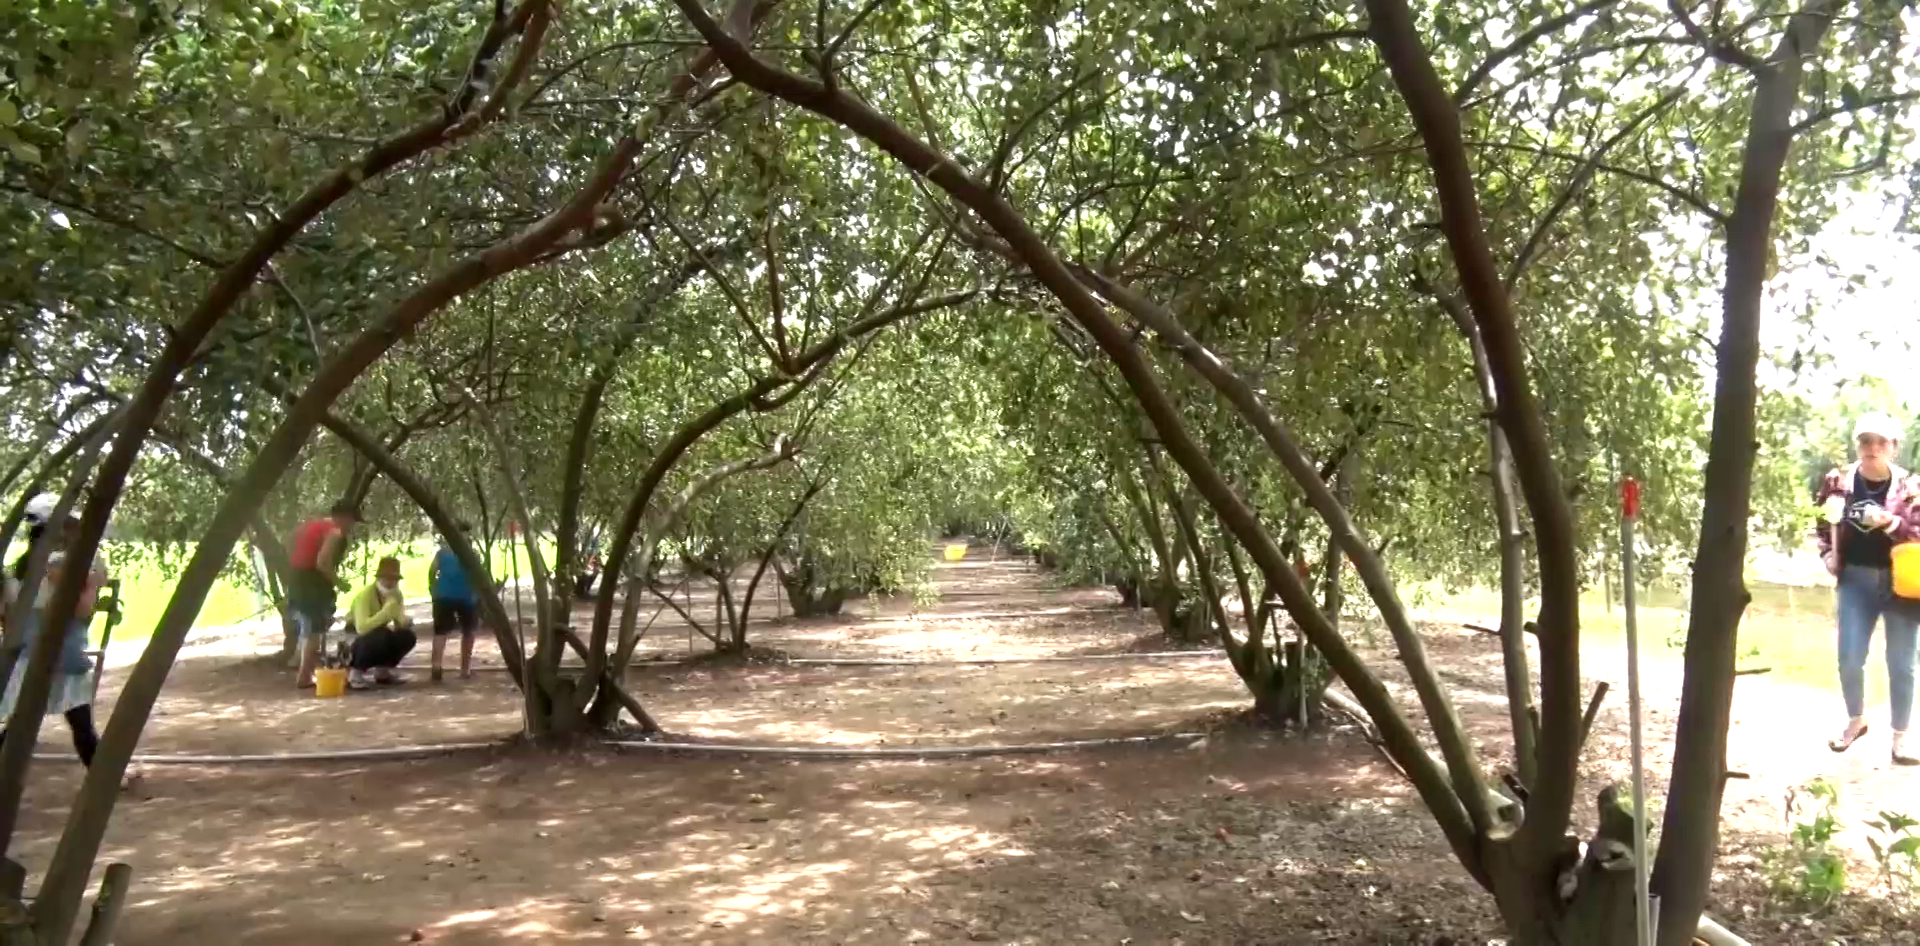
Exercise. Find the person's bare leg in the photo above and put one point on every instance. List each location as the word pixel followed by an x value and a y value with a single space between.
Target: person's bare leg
pixel 466 655
pixel 309 660
pixel 439 656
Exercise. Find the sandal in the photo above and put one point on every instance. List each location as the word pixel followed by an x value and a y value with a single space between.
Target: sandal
pixel 1900 756
pixel 1848 738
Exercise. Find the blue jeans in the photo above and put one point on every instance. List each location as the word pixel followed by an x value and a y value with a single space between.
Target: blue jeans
pixel 1865 596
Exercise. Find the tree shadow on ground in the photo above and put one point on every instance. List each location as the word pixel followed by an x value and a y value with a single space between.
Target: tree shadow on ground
pixel 1248 838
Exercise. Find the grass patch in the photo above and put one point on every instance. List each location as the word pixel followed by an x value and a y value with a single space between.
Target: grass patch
pixel 1788 628
pixel 146 585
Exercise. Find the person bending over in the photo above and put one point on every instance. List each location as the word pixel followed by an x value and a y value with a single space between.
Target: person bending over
pixel 314 580
pixel 382 632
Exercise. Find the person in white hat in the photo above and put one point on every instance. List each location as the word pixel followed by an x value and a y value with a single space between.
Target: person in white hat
pixel 72 693
pixel 1869 506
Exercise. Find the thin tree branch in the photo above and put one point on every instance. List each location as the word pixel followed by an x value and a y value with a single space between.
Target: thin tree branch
pixel 1878 101
pixel 1724 50
pixel 1522 42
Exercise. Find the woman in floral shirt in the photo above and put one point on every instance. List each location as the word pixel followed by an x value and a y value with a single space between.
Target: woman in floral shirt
pixel 1871 506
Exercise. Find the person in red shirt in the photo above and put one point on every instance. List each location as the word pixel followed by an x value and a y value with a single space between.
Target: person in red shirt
pixel 315 582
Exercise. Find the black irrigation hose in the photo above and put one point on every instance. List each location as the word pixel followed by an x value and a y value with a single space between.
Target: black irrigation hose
pixel 688 748
pixel 337 755
pixel 903 661
pixel 900 752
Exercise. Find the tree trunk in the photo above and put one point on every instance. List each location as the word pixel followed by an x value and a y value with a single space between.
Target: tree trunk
pixel 1690 833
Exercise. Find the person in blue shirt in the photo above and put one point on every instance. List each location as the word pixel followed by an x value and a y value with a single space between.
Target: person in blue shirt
pixel 455 607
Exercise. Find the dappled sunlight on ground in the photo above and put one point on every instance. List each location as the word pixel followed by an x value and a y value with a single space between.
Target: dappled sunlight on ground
pixel 486 849
pixel 1241 836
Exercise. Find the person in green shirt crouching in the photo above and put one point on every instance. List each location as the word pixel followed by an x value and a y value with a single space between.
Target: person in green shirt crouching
pixel 382 632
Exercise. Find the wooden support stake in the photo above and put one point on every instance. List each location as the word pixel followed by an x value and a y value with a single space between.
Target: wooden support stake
pixel 1752 672
pixel 1529 627
pixel 115 611
pixel 107 906
pixel 1593 711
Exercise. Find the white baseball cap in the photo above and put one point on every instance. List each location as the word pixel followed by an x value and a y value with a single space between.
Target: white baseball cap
pixel 40 508
pixel 1876 425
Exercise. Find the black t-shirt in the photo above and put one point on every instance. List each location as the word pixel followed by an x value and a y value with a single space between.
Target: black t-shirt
pixel 1859 544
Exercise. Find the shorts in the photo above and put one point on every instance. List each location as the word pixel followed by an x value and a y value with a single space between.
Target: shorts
pixel 312 602
pixel 450 615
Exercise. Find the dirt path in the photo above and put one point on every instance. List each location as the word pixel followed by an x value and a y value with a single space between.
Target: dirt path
pixel 1241 837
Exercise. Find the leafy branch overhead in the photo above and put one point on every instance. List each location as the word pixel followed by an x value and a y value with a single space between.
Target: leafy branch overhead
pixel 1266 316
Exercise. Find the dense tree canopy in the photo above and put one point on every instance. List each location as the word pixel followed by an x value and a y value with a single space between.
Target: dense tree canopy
pixel 857 275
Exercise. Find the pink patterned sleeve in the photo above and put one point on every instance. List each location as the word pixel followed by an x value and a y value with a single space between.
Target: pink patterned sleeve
pixel 1822 529
pixel 1904 503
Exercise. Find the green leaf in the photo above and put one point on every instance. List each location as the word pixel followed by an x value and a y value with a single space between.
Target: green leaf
pixel 24 150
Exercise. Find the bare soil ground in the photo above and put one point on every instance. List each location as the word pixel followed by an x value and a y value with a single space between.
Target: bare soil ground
pixel 1241 836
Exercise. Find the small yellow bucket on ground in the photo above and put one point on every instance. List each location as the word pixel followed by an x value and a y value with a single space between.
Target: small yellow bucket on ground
pixel 330 682
pixel 956 551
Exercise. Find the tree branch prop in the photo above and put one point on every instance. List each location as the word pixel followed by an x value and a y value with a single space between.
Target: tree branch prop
pixel 692 622
pixel 545 647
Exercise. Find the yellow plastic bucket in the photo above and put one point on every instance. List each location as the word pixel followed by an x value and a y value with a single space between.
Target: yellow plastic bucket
pixel 1906 570
pixel 956 551
pixel 330 682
